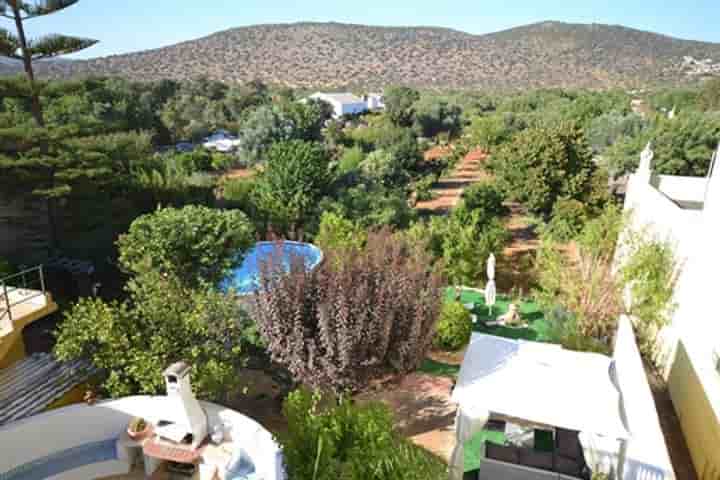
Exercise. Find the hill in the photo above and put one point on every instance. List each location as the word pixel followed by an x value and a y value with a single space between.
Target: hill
pixel 332 55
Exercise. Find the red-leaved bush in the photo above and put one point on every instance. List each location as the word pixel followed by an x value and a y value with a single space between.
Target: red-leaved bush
pixel 360 314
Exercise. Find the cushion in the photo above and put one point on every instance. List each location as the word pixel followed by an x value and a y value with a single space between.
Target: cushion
pixel 502 453
pixel 534 459
pixel 568 443
pixel 567 466
pixel 240 467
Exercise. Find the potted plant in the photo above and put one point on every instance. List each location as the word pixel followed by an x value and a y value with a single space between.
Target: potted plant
pixel 138 428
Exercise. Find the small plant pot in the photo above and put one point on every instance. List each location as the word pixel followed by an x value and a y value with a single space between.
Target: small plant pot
pixel 141 435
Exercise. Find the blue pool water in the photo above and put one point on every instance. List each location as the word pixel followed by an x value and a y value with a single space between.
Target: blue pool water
pixel 244 279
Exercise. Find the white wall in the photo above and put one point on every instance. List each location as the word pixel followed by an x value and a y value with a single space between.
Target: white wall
pixel 647 454
pixel 683 188
pixel 61 429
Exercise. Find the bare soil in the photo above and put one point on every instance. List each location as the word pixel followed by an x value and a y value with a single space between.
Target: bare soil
pixel 447 191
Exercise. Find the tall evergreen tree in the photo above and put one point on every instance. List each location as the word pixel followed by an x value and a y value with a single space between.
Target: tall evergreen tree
pixel 34 153
pixel 19 47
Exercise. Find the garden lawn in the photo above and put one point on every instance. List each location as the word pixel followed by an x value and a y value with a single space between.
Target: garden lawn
pixel 474 448
pixel 537 329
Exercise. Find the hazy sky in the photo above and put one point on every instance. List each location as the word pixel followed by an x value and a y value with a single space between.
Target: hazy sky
pixel 129 25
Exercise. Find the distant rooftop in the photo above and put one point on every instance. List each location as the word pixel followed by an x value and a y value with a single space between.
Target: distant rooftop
pixel 340 97
pixel 31 385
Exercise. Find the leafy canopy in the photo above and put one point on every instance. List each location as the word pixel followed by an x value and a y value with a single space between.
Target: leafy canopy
pixel 195 244
pixel 542 164
pixel 162 322
pixel 293 181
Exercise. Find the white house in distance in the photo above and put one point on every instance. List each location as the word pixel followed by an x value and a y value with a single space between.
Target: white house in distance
pixel 350 104
pixel 686 212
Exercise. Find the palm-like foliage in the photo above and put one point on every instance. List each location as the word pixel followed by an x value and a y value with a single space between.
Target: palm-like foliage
pixel 48 46
pixel 33 9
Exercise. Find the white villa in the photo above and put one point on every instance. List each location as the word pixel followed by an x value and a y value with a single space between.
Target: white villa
pixel 350 104
pixel 686 212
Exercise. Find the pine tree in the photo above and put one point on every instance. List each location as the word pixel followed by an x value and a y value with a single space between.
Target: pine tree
pixel 33 154
pixel 19 47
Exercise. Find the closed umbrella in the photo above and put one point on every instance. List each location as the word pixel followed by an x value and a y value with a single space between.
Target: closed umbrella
pixel 490 289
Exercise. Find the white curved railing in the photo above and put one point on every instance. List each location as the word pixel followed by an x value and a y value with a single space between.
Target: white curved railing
pixel 51 434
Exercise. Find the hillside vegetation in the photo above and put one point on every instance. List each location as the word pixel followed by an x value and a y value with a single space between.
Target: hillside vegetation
pixel 306 55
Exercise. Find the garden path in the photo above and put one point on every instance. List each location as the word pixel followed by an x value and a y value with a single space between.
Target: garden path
pixel 447 191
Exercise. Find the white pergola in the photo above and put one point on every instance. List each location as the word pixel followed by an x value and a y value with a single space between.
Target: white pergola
pixel 538 383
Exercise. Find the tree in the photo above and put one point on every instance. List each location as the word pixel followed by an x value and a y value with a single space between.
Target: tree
pixel 197 245
pixel 382 166
pixel 293 181
pixel 488 132
pixel 338 233
pixel 261 129
pixel 542 164
pixel 434 116
pixel 486 198
pixel 162 322
pixel 400 105
pixel 192 117
pixel 19 47
pixel 346 322
pixel 467 242
pixel 709 98
pixel 372 205
pixel 683 145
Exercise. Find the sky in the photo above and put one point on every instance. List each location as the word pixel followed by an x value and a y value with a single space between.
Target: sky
pixel 131 25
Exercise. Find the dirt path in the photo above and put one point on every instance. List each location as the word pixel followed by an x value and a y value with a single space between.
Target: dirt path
pixel 422 409
pixel 447 191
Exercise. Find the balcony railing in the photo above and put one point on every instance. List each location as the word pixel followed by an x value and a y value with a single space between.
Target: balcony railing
pixel 18 291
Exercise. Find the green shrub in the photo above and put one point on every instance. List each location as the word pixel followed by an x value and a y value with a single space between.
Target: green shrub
pixel 454 327
pixel 351 160
pixel 423 188
pixel 198 244
pixel 568 218
pixel 650 272
pixel 486 198
pixel 331 440
pixel 337 232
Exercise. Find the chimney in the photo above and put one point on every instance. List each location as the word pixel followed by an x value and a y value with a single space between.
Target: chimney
pixel 185 422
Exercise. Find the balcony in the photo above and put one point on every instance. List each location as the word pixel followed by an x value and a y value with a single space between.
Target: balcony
pixel 23 299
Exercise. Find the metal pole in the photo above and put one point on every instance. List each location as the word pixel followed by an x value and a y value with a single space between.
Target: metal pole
pixel 42 279
pixel 7 302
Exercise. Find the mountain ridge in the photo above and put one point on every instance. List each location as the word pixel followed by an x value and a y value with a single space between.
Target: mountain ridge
pixel 336 55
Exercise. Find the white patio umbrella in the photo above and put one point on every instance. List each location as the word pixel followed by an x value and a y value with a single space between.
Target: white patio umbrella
pixel 490 288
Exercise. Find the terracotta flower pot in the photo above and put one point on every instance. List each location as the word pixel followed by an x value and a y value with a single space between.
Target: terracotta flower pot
pixel 141 434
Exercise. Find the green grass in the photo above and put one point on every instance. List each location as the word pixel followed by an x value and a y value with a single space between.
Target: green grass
pixel 474 448
pixel 439 369
pixel 537 329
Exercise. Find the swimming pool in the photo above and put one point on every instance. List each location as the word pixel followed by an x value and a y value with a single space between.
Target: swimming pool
pixel 244 279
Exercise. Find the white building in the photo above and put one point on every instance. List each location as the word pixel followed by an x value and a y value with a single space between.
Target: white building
pixel 342 103
pixel 375 101
pixel 222 141
pixel 686 212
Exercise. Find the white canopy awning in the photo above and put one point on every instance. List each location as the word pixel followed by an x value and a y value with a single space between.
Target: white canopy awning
pixel 542 384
